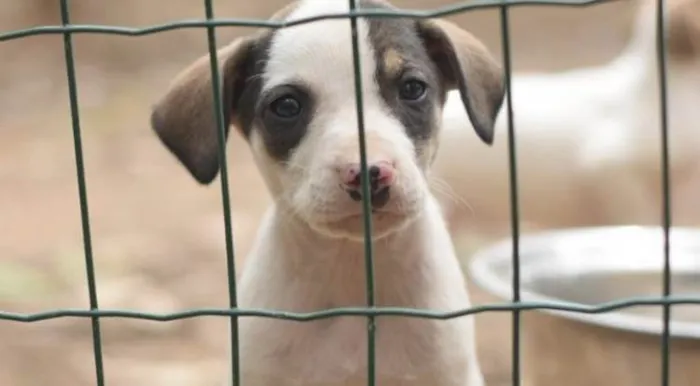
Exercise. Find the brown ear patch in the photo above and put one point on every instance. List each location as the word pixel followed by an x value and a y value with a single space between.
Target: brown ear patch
pixel 185 117
pixel 683 29
pixel 469 67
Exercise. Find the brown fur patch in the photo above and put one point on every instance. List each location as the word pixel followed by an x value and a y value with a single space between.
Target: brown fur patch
pixel 471 69
pixel 393 62
pixel 184 117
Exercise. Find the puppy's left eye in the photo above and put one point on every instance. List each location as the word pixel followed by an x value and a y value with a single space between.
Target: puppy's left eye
pixel 286 107
pixel 412 89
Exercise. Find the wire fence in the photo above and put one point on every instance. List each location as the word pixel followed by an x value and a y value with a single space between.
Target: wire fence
pixel 665 300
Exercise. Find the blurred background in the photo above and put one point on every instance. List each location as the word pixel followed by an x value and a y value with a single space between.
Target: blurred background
pixel 157 235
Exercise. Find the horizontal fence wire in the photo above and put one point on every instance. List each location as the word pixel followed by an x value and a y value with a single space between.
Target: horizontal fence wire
pixel 66 29
pixel 328 313
pixel 263 23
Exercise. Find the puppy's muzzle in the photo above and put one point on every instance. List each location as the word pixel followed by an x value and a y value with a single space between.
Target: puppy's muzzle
pixel 381 177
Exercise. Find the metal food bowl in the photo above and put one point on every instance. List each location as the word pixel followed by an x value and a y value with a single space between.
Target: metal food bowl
pixel 599 265
pixel 591 266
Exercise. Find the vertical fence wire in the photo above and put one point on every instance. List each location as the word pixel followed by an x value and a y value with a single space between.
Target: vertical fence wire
pixel 82 191
pixel 514 205
pixel 366 199
pixel 666 190
pixel 221 137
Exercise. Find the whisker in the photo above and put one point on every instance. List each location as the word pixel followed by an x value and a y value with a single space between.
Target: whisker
pixel 442 187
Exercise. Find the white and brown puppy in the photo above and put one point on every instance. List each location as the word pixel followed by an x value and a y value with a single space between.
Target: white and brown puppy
pixel 290 93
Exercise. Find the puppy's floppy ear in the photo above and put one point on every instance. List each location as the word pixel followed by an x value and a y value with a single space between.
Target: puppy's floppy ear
pixel 467 65
pixel 184 118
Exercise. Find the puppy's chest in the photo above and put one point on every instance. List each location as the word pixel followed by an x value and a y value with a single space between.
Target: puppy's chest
pixel 335 351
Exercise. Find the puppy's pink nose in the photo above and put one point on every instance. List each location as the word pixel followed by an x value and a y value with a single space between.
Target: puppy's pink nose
pixel 381 174
pixel 381 177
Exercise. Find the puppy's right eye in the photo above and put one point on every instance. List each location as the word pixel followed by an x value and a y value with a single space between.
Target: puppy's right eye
pixel 286 107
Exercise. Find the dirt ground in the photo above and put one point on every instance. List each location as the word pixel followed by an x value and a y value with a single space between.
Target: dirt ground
pixel 157 236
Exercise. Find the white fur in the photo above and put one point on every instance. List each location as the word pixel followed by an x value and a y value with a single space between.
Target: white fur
pixel 293 268
pixel 588 141
pixel 307 256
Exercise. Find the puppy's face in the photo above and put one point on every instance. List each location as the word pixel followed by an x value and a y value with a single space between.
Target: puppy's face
pixel 291 94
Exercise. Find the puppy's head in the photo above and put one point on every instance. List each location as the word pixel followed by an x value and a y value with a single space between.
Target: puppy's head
pixel 291 94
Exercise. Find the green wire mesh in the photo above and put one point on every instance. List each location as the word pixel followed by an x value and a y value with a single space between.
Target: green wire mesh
pixel 233 312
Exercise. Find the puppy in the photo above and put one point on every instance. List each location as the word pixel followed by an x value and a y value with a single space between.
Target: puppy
pixel 587 139
pixel 290 94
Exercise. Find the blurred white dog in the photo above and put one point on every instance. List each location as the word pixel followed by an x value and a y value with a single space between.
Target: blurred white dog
pixel 588 140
